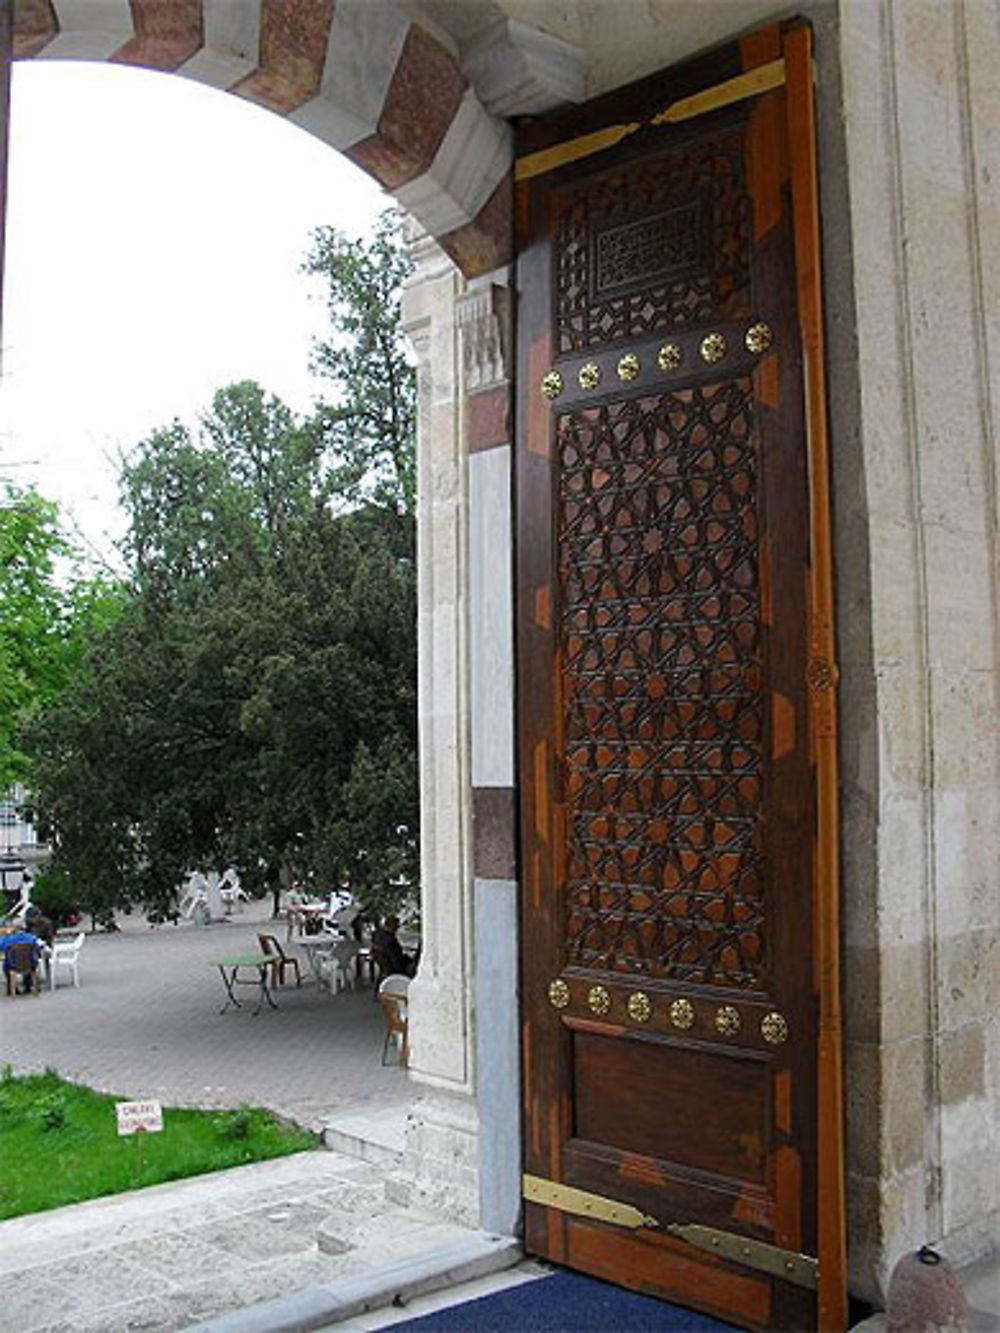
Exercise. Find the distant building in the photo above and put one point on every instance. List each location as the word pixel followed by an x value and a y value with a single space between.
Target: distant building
pixel 19 840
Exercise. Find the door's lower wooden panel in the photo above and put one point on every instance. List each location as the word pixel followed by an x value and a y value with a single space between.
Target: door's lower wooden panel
pixel 670 1194
pixel 660 1266
pixel 691 1107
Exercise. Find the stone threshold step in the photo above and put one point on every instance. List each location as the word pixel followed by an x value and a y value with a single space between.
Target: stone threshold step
pixel 317 1307
pixel 378 1137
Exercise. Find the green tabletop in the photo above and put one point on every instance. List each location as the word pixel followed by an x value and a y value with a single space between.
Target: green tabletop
pixel 244 960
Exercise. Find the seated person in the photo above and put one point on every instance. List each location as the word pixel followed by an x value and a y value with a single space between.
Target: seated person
pixel 385 943
pixel 13 937
pixel 39 924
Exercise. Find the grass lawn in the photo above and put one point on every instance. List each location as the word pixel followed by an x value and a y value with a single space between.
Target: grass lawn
pixel 59 1144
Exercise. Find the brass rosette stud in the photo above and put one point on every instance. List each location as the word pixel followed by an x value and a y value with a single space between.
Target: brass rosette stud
pixel 774 1028
pixel 558 994
pixel 682 1014
pixel 590 375
pixel 759 338
pixel 598 1000
pixel 639 1008
pixel 669 356
pixel 628 367
pixel 727 1020
pixel 713 348
pixel 552 384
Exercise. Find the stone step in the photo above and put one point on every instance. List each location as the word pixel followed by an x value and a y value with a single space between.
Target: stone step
pixel 394 1284
pixel 377 1136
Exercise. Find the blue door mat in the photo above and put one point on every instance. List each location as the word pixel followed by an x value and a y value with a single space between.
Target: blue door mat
pixel 564 1302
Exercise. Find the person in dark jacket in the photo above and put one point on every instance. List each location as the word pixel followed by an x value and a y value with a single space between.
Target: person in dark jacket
pixel 7 942
pixel 394 958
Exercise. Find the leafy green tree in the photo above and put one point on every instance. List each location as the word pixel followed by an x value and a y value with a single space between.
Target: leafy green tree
pixel 255 703
pixel 369 427
pixel 51 603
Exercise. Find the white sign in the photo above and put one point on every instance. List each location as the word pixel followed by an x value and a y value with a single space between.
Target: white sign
pixel 139 1117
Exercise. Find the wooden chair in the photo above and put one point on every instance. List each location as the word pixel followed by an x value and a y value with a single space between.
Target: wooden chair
pixel 279 960
pixel 393 997
pixel 22 964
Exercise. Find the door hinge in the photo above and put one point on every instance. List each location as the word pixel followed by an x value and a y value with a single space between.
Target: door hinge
pixel 802 1269
pixel 568 1199
pixel 790 1265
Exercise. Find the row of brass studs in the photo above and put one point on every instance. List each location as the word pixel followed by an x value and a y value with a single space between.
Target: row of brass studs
pixel 713 347
pixel 773 1027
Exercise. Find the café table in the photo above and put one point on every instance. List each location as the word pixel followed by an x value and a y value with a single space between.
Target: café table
pixel 300 914
pixel 229 970
pixel 314 946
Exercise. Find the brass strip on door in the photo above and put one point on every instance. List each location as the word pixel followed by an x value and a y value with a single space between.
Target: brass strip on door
pixel 802 1269
pixel 762 79
pixel 567 1199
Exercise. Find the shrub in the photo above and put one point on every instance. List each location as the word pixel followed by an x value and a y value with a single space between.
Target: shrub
pixel 53 894
pixel 51 1112
pixel 235 1125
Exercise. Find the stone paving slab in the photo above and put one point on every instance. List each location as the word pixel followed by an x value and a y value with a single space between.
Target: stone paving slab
pixel 171 1256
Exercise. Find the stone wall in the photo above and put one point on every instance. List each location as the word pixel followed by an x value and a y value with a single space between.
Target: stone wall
pixel 917 586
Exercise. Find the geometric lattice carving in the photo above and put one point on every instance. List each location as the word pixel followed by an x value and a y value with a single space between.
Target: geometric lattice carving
pixel 663 711
pixel 655 245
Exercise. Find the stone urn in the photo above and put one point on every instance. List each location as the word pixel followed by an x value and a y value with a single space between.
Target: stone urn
pixel 925 1295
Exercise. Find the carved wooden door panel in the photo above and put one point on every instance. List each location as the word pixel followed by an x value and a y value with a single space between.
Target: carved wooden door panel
pixel 676 877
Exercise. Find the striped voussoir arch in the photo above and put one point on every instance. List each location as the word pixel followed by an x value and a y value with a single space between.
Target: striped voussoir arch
pixel 359 74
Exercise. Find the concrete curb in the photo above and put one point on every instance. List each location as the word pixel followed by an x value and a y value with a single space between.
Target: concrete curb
pixel 395 1283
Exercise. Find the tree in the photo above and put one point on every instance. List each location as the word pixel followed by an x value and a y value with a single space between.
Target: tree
pixel 51 603
pixel 369 429
pixel 255 703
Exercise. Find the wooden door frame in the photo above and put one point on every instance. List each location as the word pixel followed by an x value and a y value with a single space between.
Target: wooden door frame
pixel 796 49
pixel 822 679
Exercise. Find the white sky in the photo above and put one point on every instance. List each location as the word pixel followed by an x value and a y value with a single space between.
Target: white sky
pixel 154 234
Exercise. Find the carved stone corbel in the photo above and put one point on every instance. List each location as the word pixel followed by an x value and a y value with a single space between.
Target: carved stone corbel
pixel 483 316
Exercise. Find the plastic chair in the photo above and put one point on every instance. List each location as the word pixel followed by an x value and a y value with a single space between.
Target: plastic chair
pixel 339 964
pixel 393 996
pixel 66 954
pixel 279 960
pixel 22 964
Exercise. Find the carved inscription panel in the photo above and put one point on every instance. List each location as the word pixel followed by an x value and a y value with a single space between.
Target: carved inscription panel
pixel 654 246
pixel 663 723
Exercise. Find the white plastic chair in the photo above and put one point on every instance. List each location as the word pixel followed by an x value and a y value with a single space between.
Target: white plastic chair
pixel 337 965
pixel 66 953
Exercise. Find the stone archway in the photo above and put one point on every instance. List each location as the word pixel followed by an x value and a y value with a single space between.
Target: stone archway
pixel 362 77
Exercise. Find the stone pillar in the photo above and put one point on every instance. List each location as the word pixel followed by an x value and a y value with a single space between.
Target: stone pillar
pixel 484 313
pixel 440 1168
pixel 922 784
pixel 463 1139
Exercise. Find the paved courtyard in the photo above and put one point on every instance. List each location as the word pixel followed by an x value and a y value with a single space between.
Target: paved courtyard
pixel 146 1023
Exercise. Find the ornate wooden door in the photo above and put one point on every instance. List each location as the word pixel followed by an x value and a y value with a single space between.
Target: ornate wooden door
pixel 675 711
